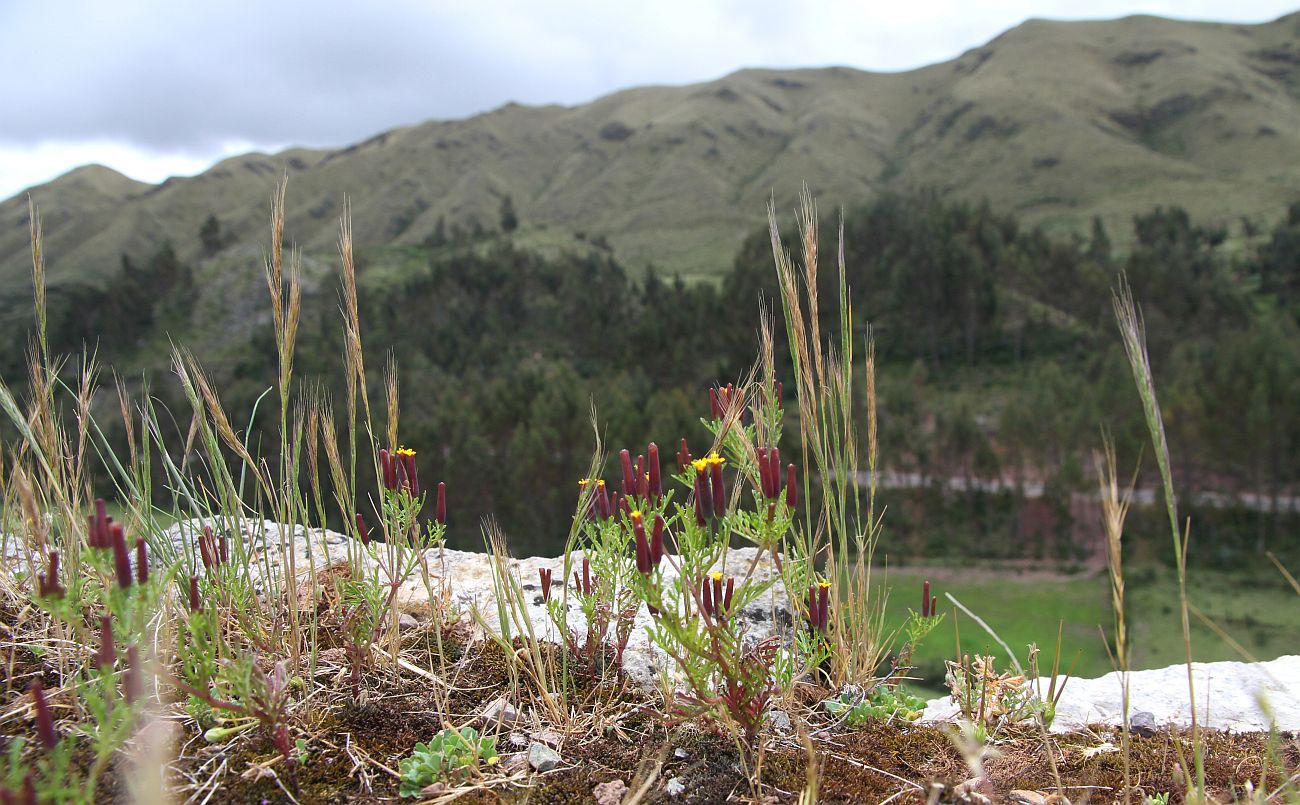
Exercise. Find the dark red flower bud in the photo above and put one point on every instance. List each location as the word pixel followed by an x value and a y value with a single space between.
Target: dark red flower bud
pixel 544 573
pixel 98 536
pixel 718 490
pixel 44 720
pixel 780 394
pixel 791 487
pixel 208 548
pixel 224 542
pixel 28 791
pixel 703 496
pixel 132 681
pixel 107 653
pixel 925 599
pixel 657 541
pixel 440 509
pixel 655 479
pixel 121 557
pixel 410 478
pixel 624 506
pixel 706 599
pixel 774 471
pixel 141 561
pixel 629 474
pixel 362 532
pixel 196 605
pixel 584 582
pixel 683 457
pixel 603 506
pixel 642 544
pixel 715 408
pixel 388 470
pixel 47 583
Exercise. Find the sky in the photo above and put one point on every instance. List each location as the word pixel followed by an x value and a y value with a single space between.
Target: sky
pixel 155 88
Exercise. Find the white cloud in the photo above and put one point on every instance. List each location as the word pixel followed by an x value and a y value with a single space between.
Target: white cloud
pixel 155 87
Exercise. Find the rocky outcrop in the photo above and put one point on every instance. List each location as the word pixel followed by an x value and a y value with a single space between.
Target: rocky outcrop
pixel 1229 695
pixel 466 578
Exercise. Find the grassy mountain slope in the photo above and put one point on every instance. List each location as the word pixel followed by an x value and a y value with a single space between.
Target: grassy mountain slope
pixel 1056 121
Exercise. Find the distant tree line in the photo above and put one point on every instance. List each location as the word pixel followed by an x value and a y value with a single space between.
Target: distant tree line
pixel 997 348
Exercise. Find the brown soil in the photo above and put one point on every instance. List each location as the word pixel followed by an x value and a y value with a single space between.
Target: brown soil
pixel 355 749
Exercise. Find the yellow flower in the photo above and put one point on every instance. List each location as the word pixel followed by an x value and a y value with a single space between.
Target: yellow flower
pixel 714 458
pixel 584 482
pixel 636 515
pixel 406 451
pixel 823 583
pixel 716 575
pixel 700 464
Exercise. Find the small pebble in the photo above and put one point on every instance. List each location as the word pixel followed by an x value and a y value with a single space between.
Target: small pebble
pixel 1142 723
pixel 675 786
pixel 542 757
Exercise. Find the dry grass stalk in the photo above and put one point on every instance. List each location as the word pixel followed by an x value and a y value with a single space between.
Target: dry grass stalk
pixel 841 535
pixel 1133 333
pixel 1114 510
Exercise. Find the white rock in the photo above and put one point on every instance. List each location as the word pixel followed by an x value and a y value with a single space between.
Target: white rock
pixel 1228 697
pixel 467 577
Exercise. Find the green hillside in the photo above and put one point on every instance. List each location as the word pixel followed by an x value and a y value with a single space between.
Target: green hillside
pixel 1057 122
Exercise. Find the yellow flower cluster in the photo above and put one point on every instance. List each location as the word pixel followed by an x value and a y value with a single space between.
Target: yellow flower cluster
pixel 702 464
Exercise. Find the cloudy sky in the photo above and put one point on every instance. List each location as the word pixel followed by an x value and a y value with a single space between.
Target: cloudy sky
pixel 154 88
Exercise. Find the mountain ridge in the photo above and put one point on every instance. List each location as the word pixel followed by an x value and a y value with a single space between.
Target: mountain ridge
pixel 1054 121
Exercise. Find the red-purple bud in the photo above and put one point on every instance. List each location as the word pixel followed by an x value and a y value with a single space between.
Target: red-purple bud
pixel 715 409
pixel 47 584
pixel 780 394
pixel 107 653
pixel 544 574
pixel 27 792
pixel 925 599
pixel 196 605
pixel 224 542
pixel 388 470
pixel 141 561
pixel 791 487
pixel 642 478
pixel 121 557
pixel 657 541
pixel 706 599
pixel 774 470
pixel 703 496
pixel 98 536
pixel 584 582
pixel 655 481
pixel 603 507
pixel 629 477
pixel 823 606
pixel 44 720
pixel 208 548
pixel 683 457
pixel 718 490
pixel 624 506
pixel 362 532
pixel 440 508
pixel 132 682
pixel 642 545
pixel 410 478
